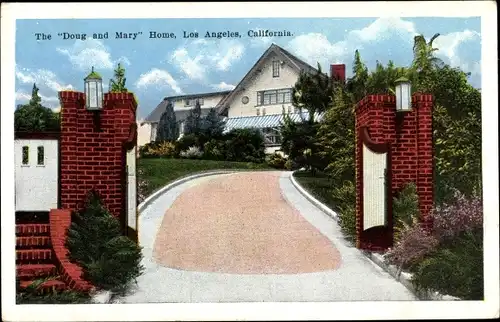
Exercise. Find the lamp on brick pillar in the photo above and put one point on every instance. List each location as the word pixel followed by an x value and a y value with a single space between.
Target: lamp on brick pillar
pixel 403 94
pixel 94 96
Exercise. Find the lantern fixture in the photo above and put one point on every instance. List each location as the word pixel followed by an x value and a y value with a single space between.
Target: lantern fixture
pixel 93 91
pixel 403 94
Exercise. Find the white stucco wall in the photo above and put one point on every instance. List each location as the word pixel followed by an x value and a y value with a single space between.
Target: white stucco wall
pixel 208 102
pixel 36 185
pixel 143 133
pixel 263 80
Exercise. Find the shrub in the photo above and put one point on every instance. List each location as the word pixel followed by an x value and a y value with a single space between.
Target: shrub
pixel 450 259
pixel 414 244
pixel 455 268
pixel 462 214
pixel 187 141
pixel 215 150
pixel 344 199
pixel 192 153
pixel 95 242
pixel 347 221
pixel 245 145
pixel 405 210
pixel 291 165
pixel 158 149
pixel 277 161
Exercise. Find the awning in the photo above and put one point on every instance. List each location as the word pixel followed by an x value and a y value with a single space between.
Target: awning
pixel 263 121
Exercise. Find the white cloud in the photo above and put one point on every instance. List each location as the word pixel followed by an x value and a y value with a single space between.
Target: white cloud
pixel 223 62
pixel 43 79
pixel 223 86
pixel 159 78
pixel 199 56
pixel 448 48
pixel 315 47
pixel 191 66
pixel 383 28
pixel 91 52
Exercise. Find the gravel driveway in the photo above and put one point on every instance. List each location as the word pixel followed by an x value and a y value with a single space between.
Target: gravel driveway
pixel 250 237
pixel 241 224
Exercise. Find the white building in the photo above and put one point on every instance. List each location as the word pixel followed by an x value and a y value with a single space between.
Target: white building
pixel 259 100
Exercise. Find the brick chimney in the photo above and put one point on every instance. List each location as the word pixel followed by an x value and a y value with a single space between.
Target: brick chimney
pixel 337 71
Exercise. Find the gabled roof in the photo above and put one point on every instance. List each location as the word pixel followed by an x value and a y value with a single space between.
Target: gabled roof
pixel 155 115
pixel 296 63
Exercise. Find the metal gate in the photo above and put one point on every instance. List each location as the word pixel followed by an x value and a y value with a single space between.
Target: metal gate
pixel 132 190
pixel 374 188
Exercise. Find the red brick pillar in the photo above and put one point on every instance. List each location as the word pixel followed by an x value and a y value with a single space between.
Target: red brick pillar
pixel 423 105
pixel 93 157
pixel 408 137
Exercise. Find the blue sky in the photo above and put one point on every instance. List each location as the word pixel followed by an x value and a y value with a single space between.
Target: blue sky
pixel 156 68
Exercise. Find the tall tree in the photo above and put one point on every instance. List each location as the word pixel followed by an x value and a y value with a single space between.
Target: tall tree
pixel 358 83
pixel 118 83
pixel 35 99
pixel 34 117
pixel 213 125
pixel 335 138
pixel 168 129
pixel 424 60
pixel 193 120
pixel 312 92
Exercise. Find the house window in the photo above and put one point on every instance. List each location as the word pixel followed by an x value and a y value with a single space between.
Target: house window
pixel 192 101
pixel 276 69
pixel 26 155
pixel 272 137
pixel 40 155
pixel 280 96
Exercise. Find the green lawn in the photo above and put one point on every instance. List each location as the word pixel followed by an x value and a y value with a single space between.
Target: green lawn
pixel 319 185
pixel 158 172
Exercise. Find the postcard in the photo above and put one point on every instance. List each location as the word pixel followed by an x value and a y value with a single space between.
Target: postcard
pixel 257 161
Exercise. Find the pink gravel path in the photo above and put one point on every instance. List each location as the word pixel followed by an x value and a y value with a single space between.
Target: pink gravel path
pixel 241 224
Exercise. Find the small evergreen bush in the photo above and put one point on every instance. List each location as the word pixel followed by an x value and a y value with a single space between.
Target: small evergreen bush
pixel 109 260
pixel 344 197
pixel 215 150
pixel 276 160
pixel 245 145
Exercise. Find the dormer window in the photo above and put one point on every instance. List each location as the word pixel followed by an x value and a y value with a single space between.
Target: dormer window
pixel 276 68
pixel 192 101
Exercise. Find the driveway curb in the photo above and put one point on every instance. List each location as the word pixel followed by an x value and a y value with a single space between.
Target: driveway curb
pixel 313 200
pixel 378 259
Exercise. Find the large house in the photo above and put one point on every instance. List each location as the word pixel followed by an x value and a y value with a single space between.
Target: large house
pixel 259 100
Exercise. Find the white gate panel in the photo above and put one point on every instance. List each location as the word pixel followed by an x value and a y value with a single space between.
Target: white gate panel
pixel 132 191
pixel 36 178
pixel 374 188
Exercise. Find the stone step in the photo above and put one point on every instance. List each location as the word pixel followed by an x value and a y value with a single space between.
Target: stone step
pixel 32 229
pixel 34 271
pixel 26 256
pixel 33 241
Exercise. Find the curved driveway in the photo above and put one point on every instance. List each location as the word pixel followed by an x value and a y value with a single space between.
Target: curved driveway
pixel 250 237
